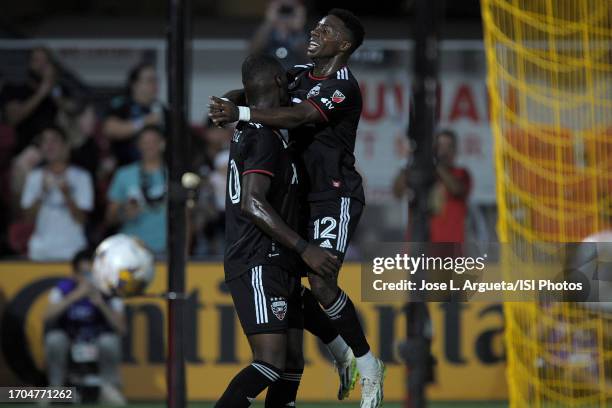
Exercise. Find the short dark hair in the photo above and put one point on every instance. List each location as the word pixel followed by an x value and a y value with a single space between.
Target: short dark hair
pixel 449 133
pixel 83 255
pixel 353 25
pixel 259 67
pixel 135 72
pixel 151 128
pixel 62 134
pixel 46 50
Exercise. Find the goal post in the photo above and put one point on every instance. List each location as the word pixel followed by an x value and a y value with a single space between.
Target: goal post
pixel 550 82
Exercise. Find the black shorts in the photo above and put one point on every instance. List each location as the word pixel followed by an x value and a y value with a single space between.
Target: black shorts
pixel 333 223
pixel 267 300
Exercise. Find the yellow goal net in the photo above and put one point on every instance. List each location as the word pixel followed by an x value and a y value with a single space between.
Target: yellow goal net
pixel 550 81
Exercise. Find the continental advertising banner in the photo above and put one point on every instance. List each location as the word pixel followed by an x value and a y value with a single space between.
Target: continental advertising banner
pixel 468 339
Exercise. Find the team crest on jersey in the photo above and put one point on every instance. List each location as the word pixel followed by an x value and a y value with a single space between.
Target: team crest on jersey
pixel 337 97
pixel 279 307
pixel 314 91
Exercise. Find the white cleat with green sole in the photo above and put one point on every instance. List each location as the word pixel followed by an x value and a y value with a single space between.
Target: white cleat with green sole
pixel 372 388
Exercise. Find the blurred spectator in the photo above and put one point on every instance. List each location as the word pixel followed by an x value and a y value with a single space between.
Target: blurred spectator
pixel 56 197
pixel 214 140
pixel 2 98
pixel 217 139
pixel 31 107
pixel 212 200
pixel 34 105
pixel 283 33
pixel 211 164
pixel 80 127
pixel 79 314
pixel 130 113
pixel 137 195
pixel 92 152
pixel 448 196
pixel 7 141
pixel 218 179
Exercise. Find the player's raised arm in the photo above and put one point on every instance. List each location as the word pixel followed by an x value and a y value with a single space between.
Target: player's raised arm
pixel 236 96
pixel 222 111
pixel 254 204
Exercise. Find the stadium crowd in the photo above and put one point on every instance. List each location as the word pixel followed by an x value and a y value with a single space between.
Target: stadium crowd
pixel 74 170
pixel 76 167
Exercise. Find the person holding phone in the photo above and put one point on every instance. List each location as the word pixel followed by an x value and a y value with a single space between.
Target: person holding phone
pixel 137 195
pixel 283 34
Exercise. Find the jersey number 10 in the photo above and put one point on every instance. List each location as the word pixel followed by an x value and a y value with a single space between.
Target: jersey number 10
pixel 233 184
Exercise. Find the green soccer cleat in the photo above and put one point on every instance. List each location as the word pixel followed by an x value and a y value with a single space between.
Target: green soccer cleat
pixel 347 371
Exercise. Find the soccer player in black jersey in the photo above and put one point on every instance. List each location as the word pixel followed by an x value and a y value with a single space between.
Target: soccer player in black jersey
pixel 323 123
pixel 262 256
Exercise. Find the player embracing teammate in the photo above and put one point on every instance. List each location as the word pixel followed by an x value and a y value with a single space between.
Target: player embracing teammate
pixel 322 123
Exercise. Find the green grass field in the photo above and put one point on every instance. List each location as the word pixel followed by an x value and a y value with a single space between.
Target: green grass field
pixel 390 405
pixel 304 405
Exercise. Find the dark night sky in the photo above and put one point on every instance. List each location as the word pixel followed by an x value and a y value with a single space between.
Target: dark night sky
pixel 384 18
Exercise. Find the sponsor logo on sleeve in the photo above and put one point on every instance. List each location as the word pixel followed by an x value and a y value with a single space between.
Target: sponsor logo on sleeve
pixel 328 104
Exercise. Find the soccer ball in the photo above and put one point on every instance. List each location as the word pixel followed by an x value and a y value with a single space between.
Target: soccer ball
pixel 590 262
pixel 123 266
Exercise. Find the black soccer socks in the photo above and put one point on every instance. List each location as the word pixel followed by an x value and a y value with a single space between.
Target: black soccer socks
pixel 283 393
pixel 248 384
pixel 315 319
pixel 342 314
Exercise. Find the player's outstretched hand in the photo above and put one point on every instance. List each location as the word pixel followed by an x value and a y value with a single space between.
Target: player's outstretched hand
pixel 321 261
pixel 222 111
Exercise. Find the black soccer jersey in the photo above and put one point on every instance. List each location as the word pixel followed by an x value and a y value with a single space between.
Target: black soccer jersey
pixel 328 148
pixel 259 149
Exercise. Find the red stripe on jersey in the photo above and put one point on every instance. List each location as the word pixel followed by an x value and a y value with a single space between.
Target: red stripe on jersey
pixel 266 172
pixel 319 109
pixel 316 78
